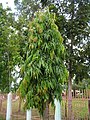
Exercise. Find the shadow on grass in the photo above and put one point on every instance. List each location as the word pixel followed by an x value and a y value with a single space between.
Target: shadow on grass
pixel 1 118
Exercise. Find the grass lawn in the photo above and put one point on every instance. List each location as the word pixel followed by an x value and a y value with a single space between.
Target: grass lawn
pixel 79 108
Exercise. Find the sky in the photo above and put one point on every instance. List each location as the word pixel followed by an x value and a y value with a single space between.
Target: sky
pixel 9 3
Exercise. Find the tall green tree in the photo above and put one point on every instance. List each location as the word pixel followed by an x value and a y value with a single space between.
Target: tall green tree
pixel 73 19
pixel 8 48
pixel 25 13
pixel 27 8
pixel 44 70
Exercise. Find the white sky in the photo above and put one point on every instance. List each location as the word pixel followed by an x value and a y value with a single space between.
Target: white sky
pixel 9 3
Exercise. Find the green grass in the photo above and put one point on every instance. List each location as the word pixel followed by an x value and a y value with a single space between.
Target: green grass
pixel 79 108
pixel 1 118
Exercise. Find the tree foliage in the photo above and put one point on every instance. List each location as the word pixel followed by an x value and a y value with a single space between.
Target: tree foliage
pixel 72 19
pixel 44 70
pixel 8 48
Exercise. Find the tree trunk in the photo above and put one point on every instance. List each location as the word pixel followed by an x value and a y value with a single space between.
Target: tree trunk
pixel 70 99
pixel 89 108
pixel 46 111
pixel 70 116
pixel 9 106
pixel 28 115
pixel 57 109
pixel 74 93
pixel 19 107
pixel 0 104
pixel 66 106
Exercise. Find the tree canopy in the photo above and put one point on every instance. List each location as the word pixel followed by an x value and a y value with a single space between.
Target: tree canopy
pixel 44 70
pixel 72 19
pixel 8 48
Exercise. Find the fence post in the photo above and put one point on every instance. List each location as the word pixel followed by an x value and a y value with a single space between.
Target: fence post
pixel 57 110
pixel 9 106
pixel 28 115
pixel 89 107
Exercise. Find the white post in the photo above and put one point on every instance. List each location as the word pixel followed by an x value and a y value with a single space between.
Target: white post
pixel 57 110
pixel 9 106
pixel 28 115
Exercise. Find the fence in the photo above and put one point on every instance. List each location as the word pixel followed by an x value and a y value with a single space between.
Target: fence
pixel 80 109
pixel 80 105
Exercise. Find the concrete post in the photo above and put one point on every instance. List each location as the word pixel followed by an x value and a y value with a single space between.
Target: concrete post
pixel 9 106
pixel 57 110
pixel 28 115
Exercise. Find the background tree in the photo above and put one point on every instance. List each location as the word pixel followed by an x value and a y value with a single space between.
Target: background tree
pixel 25 13
pixel 27 8
pixel 73 21
pixel 72 18
pixel 8 48
pixel 44 70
